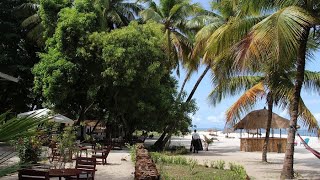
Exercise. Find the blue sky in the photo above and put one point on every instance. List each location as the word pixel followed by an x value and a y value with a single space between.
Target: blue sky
pixel 209 116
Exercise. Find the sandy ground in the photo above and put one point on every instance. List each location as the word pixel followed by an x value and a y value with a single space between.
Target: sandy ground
pixel 228 149
pixel 116 169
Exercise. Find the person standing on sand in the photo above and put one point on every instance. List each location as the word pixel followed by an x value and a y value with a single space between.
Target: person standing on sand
pixel 195 141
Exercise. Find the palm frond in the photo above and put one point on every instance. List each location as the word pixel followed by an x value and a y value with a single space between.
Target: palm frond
pixel 277 35
pixel 232 86
pixel 307 117
pixel 31 21
pixel 226 36
pixel 149 14
pixel 245 102
pixel 18 127
pixel 312 81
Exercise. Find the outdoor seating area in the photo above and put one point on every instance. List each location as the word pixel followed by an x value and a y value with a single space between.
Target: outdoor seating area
pixel 78 161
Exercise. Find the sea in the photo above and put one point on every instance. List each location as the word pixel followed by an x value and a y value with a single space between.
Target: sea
pixel 302 132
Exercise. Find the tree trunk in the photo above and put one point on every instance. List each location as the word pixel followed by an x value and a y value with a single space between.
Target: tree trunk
pixel 287 169
pixel 159 143
pixel 164 142
pixel 184 83
pixel 197 83
pixel 94 127
pixel 266 140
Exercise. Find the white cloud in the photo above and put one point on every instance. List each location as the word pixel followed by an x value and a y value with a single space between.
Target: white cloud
pixel 195 118
pixel 217 119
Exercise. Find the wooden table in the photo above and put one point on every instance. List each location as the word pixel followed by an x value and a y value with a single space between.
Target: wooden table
pixel 64 173
pixel 256 144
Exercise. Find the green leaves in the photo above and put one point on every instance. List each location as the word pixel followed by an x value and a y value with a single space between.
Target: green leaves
pixel 14 128
pixel 276 37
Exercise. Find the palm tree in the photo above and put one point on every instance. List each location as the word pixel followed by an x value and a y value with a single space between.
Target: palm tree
pixel 275 86
pixel 116 13
pixel 31 22
pixel 219 28
pixel 174 15
pixel 284 34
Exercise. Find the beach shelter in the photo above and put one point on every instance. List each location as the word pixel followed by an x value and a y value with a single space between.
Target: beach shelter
pixel 48 113
pixel 258 119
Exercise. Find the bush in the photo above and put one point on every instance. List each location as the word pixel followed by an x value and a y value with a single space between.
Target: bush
pixel 238 170
pixel 29 149
pixel 218 164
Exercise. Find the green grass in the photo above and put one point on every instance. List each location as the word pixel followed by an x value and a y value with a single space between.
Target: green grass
pixel 174 171
pixel 179 167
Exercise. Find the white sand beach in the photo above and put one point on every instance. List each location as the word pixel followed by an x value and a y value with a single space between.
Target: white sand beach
pixel 228 149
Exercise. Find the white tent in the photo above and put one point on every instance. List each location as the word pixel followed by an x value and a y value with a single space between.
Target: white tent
pixel 48 113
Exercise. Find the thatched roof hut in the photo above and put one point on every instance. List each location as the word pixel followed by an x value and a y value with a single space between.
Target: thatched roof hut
pixel 258 119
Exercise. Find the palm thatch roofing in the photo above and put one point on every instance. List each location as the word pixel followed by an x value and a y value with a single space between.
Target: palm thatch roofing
pixel 258 119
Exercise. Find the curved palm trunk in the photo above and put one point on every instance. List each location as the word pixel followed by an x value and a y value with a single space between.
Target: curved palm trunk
pixel 159 144
pixel 184 83
pixel 197 83
pixel 266 140
pixel 287 169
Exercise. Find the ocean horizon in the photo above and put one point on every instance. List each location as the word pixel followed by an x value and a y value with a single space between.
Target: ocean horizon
pixel 302 132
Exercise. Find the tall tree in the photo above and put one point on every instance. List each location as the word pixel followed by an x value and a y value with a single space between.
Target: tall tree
pixel 173 15
pixel 141 93
pixel 226 24
pixel 67 69
pixel 116 13
pixel 18 55
pixel 284 34
pixel 276 86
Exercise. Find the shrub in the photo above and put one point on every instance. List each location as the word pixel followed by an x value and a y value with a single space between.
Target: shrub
pixel 133 151
pixel 218 164
pixel 239 170
pixel 192 165
pixel 29 149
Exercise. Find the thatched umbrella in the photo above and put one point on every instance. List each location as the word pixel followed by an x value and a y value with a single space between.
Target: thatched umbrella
pixel 258 119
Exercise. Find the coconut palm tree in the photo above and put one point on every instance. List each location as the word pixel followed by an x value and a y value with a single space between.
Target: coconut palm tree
pixel 275 86
pixel 174 15
pixel 284 34
pixel 116 13
pixel 226 18
pixel 31 22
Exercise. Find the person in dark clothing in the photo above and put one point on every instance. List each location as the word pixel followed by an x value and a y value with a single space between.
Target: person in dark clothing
pixel 195 142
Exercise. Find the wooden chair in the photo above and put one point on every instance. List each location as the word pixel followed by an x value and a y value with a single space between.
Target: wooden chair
pixel 31 174
pixel 87 166
pixel 103 154
pixel 55 154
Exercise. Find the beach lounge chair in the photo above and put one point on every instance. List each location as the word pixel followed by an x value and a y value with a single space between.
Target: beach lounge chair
pixel 316 153
pixel 305 141
pixel 31 174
